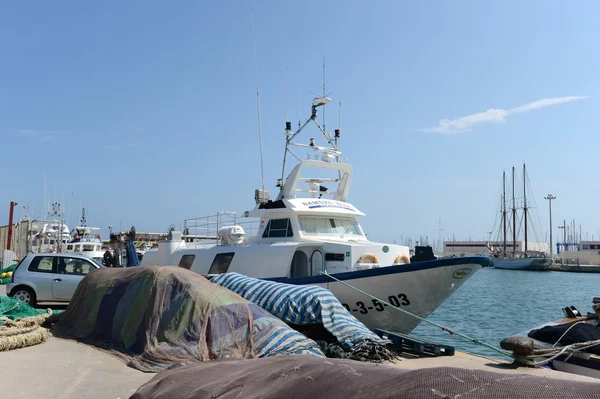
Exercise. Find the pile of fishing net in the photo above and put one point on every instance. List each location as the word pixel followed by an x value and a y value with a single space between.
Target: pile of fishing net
pixel 156 318
pixel 315 312
pixel 6 274
pixel 21 325
pixel 290 377
pixel 12 309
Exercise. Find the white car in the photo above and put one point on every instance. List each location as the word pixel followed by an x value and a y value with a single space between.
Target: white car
pixel 49 277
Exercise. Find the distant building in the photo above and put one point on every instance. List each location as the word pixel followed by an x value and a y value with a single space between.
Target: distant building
pixel 469 248
pixel 588 254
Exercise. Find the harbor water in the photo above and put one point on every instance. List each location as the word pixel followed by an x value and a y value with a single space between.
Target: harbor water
pixel 495 304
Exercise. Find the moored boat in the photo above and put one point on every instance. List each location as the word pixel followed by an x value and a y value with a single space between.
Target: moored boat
pixel 310 229
pixel 508 255
pixel 537 264
pixel 571 344
pixel 85 240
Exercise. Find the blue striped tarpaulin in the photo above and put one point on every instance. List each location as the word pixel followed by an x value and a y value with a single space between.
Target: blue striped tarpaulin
pixel 302 305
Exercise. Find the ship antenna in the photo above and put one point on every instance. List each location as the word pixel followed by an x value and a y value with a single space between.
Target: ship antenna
pixel 338 137
pixel 298 102
pixel 262 174
pixel 324 128
pixel 283 94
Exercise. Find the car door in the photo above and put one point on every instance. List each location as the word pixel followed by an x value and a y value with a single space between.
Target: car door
pixel 69 272
pixel 39 277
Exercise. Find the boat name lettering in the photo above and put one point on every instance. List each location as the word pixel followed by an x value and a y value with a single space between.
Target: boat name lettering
pixel 395 300
pixel 86 239
pixel 328 204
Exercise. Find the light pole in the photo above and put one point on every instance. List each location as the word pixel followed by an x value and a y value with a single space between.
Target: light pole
pixel 550 198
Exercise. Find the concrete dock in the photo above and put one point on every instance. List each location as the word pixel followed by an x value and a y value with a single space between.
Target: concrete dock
pixel 66 369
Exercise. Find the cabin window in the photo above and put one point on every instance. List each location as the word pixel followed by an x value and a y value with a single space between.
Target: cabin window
pixel 221 263
pixel 88 247
pixel 278 228
pixel 69 247
pixel 187 260
pixel 334 257
pixel 312 225
pixel 586 247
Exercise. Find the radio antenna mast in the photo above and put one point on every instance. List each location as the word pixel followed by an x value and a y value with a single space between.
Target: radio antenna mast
pixel 324 128
pixel 262 174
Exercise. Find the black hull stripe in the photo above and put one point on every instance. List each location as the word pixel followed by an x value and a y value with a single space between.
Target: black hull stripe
pixel 382 271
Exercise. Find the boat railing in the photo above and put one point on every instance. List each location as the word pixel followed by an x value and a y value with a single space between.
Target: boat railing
pixel 206 228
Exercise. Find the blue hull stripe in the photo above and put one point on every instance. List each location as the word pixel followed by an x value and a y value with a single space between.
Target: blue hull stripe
pixel 382 271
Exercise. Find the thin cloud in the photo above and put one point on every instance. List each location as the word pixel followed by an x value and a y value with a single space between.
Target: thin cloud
pixel 26 132
pixel 45 139
pixel 39 136
pixel 466 123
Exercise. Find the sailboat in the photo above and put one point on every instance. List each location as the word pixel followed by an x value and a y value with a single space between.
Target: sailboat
pixel 516 258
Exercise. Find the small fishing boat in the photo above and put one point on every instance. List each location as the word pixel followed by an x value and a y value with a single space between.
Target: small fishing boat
pixel 309 235
pixel 85 240
pixel 571 344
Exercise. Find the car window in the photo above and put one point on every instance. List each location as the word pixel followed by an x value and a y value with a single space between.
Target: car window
pixel 41 264
pixel 75 266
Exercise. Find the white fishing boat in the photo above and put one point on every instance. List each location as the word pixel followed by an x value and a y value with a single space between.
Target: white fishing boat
pixel 310 229
pixel 85 240
pixel 47 236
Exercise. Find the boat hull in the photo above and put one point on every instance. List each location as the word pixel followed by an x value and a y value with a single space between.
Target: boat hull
pixel 536 264
pixel 418 288
pixel 578 363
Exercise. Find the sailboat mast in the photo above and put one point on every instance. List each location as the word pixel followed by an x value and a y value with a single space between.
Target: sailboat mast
pixel 514 212
pixel 504 211
pixel 525 204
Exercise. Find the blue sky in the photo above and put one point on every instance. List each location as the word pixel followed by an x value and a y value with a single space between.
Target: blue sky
pixel 145 111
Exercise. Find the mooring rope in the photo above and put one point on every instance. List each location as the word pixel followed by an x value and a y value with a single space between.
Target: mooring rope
pixel 555 353
pixel 446 329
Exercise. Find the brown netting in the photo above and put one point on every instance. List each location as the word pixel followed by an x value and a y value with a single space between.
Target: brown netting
pixel 290 377
pixel 159 317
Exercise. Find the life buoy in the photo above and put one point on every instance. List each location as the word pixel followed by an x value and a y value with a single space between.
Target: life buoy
pixel 370 257
pixel 401 257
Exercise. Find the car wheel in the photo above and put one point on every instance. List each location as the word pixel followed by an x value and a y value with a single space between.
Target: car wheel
pixel 25 295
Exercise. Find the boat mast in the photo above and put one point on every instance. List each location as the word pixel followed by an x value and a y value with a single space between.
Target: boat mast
pixel 514 212
pixel 504 211
pixel 525 204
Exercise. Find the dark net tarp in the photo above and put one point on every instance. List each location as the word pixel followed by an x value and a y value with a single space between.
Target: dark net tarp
pixel 160 317
pixel 567 334
pixel 292 377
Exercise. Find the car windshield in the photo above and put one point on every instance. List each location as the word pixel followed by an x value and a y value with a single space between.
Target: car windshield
pixel 97 262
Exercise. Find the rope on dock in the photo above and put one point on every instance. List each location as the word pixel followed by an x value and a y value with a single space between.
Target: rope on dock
pixel 446 329
pixel 20 333
pixel 554 352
